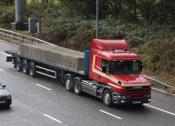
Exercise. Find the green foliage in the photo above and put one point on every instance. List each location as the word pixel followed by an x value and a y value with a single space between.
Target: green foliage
pixel 7 2
pixel 84 8
pixel 7 14
pixel 161 11
pixel 43 2
pixel 159 56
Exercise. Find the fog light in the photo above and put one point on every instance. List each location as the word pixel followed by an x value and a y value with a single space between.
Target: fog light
pixel 115 98
pixel 122 101
pixel 122 97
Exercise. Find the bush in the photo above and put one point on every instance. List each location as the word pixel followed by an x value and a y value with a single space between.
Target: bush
pixel 7 16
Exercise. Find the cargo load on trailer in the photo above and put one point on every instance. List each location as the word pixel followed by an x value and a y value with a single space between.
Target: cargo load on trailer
pixel 58 56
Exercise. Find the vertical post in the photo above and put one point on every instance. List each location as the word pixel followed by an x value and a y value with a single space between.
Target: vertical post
pixel 19 15
pixel 97 17
pixel 19 11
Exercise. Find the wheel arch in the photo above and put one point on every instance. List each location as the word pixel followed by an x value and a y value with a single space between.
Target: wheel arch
pixel 76 78
pixel 107 88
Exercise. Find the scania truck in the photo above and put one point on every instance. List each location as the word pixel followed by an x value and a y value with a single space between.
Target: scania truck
pixel 109 70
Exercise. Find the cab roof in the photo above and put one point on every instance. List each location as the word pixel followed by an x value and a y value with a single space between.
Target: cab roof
pixel 118 55
pixel 101 44
pixel 113 49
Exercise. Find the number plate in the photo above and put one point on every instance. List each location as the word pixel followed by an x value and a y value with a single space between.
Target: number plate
pixel 136 102
pixel 137 87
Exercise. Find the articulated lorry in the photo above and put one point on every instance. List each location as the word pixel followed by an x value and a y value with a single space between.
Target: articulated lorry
pixel 109 70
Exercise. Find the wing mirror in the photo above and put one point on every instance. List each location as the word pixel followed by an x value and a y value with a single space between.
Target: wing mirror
pixel 3 86
pixel 140 67
pixel 104 69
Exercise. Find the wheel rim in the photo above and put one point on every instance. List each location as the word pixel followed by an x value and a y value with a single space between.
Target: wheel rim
pixel 68 84
pixel 31 72
pixel 107 98
pixel 24 70
pixel 18 67
pixel 77 88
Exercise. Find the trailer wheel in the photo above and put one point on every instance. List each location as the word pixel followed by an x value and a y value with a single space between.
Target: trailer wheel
pixel 25 66
pixel 68 82
pixel 32 69
pixel 107 98
pixel 18 64
pixel 77 86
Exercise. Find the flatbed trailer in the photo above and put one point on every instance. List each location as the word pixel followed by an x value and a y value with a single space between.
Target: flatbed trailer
pixel 89 72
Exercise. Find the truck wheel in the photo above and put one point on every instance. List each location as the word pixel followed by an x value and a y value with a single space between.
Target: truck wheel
pixel 32 69
pixel 18 64
pixel 107 98
pixel 68 82
pixel 25 66
pixel 77 86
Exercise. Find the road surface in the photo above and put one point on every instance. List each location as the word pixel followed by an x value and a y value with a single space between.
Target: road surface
pixel 44 102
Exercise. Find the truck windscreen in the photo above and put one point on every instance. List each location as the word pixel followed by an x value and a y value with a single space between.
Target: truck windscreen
pixel 125 67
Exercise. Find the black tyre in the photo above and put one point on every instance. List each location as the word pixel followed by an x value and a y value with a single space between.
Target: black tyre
pixel 68 82
pixel 32 69
pixel 107 98
pixel 18 64
pixel 25 66
pixel 7 105
pixel 77 86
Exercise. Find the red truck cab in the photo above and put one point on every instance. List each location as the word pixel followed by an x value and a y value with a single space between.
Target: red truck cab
pixel 115 66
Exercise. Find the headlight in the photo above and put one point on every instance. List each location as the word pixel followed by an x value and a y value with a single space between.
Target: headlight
pixel 9 97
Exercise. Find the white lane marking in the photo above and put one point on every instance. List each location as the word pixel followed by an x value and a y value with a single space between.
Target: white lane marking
pixel 1 70
pixel 162 91
pixel 44 87
pixel 170 113
pixel 50 117
pixel 3 53
pixel 110 114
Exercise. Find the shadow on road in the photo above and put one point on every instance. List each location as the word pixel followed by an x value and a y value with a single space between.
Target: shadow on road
pixel 132 109
pixel 4 108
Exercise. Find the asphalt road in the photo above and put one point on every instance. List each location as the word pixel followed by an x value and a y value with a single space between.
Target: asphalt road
pixel 44 102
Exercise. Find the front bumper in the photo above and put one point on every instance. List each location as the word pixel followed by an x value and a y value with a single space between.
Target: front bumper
pixel 5 100
pixel 118 98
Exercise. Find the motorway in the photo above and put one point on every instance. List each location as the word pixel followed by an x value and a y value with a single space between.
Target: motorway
pixel 44 102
